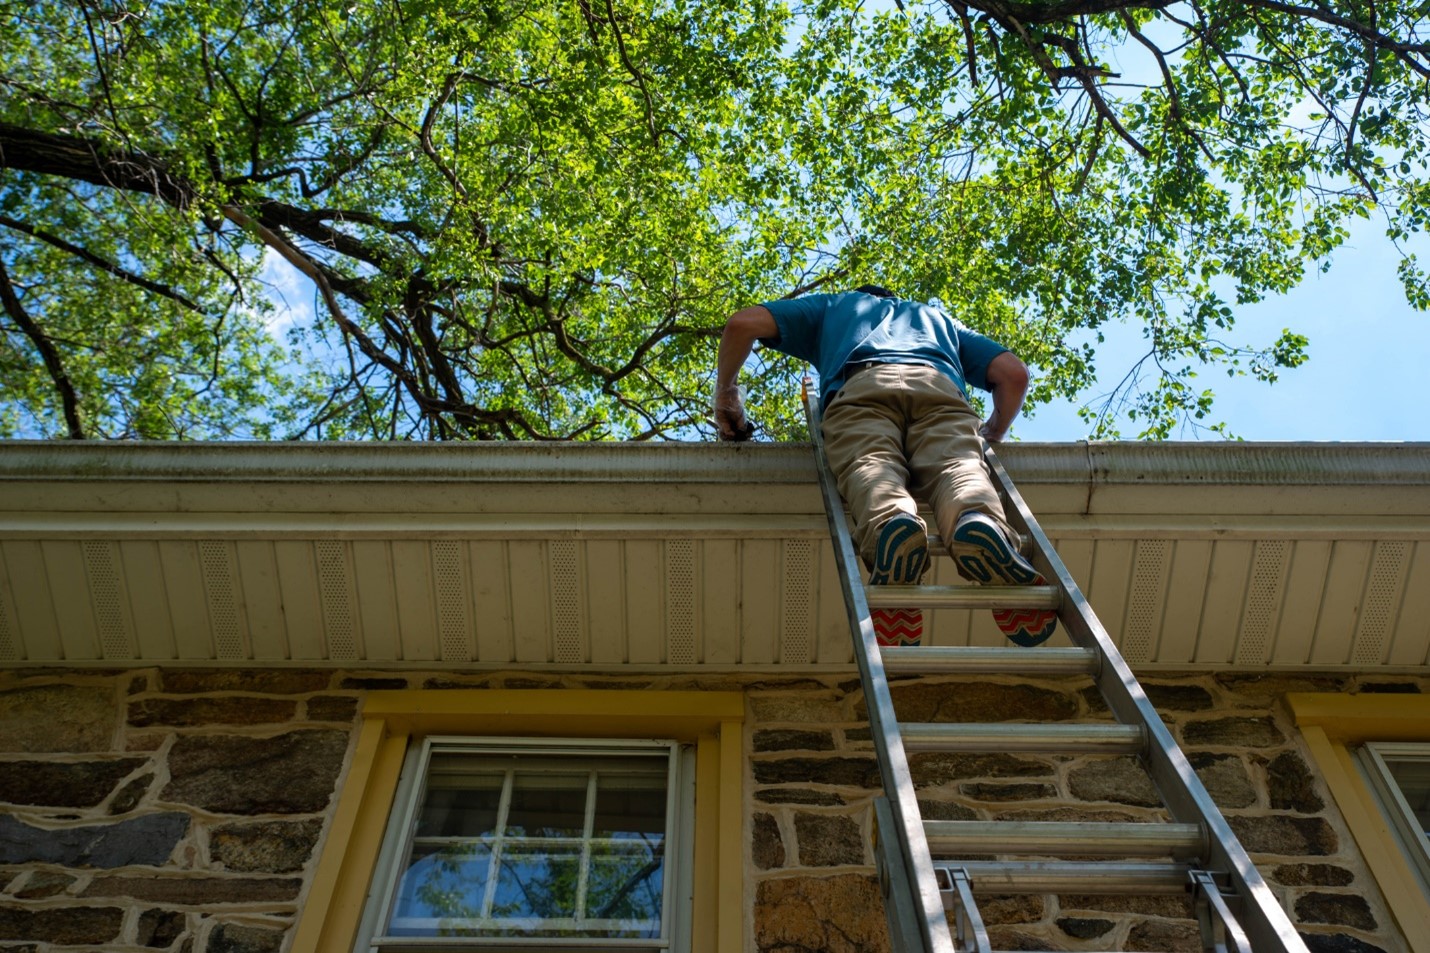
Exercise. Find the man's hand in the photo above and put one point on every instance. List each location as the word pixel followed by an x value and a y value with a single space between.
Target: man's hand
pixel 742 330
pixel 992 432
pixel 730 419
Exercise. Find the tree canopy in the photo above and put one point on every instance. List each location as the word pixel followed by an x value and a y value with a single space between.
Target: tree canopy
pixel 528 219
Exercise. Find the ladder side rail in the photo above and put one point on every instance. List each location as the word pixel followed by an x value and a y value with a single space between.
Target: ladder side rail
pixel 893 762
pixel 1266 923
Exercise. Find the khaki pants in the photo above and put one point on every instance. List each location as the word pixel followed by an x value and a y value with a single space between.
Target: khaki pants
pixel 899 431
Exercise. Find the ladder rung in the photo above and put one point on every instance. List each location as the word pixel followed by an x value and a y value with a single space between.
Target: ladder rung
pixel 1062 837
pixel 963 597
pixel 1101 877
pixel 998 736
pixel 925 660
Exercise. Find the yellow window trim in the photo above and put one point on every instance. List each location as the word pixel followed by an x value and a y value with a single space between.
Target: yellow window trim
pixel 1331 725
pixel 712 721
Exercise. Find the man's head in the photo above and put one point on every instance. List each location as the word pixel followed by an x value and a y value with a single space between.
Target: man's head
pixel 877 291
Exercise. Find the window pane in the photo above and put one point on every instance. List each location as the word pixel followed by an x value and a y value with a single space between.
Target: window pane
pixel 631 803
pixel 548 805
pixel 539 883
pixel 461 800
pixel 1413 778
pixel 440 885
pixel 627 886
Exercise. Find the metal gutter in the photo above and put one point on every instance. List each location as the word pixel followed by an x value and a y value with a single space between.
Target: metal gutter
pixel 1068 464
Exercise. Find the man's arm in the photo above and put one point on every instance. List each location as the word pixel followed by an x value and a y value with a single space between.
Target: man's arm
pixel 742 330
pixel 1008 380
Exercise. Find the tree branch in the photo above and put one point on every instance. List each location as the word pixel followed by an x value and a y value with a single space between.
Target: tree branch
pixel 48 353
pixel 101 263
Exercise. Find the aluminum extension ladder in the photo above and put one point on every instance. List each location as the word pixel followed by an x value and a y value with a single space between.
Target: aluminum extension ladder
pixel 929 895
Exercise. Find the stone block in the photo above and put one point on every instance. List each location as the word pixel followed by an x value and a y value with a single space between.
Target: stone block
pixel 1389 688
pixel 46 784
pixel 767 848
pixel 198 712
pixel 271 847
pixel 838 772
pixel 1178 697
pixel 1165 936
pixel 808 708
pixel 792 739
pixel 945 811
pixel 332 708
pixel 292 773
pixel 934 768
pixel 977 701
pixel 195 889
pixel 1312 875
pixel 1084 928
pixel 236 938
pixel 1238 732
pixel 1291 786
pixel 392 684
pixel 145 841
pixel 1342 909
pixel 842 914
pixel 1096 816
pixel 68 926
pixel 1226 779
pixel 1027 791
pixel 158 929
pixel 1120 780
pixel 1170 906
pixel 1012 938
pixel 69 719
pixel 259 681
pixel 44 883
pixel 828 840
pixel 1288 836
pixel 1017 908
pixel 798 796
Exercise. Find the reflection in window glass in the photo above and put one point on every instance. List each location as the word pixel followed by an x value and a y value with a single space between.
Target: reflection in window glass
pixel 537 844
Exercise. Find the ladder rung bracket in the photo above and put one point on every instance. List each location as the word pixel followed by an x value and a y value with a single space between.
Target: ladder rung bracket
pixel 950 838
pixel 963 597
pixel 977 660
pixel 997 737
pixel 1102 877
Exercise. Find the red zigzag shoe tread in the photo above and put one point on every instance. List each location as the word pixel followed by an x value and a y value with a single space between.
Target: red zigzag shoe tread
pixel 894 627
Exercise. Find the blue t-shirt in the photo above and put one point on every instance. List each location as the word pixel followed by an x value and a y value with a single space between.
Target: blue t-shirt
pixel 832 330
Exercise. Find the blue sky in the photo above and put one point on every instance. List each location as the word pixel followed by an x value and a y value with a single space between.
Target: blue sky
pixel 1366 379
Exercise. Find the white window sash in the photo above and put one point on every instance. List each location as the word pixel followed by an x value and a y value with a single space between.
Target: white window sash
pixel 401 835
pixel 1372 758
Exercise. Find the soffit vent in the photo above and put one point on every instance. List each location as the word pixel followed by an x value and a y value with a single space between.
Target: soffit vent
pixel 1263 601
pixel 680 600
pixel 566 600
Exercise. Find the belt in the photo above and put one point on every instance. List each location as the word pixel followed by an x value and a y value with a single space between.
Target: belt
pixel 855 367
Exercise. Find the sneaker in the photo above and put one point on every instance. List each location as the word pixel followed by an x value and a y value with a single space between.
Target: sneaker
pixel 983 554
pixel 901 557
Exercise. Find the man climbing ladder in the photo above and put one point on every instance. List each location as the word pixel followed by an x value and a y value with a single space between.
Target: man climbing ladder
pixel 892 377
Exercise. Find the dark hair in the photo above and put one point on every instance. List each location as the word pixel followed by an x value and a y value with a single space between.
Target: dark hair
pixel 877 291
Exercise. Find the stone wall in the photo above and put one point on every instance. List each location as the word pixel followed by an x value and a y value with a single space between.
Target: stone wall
pixel 185 810
pixel 163 810
pixel 812 772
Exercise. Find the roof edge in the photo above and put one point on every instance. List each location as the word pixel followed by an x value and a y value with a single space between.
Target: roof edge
pixel 1087 463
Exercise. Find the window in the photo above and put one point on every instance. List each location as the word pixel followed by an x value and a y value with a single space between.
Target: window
pixel 1399 774
pixel 500 842
pixel 431 759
